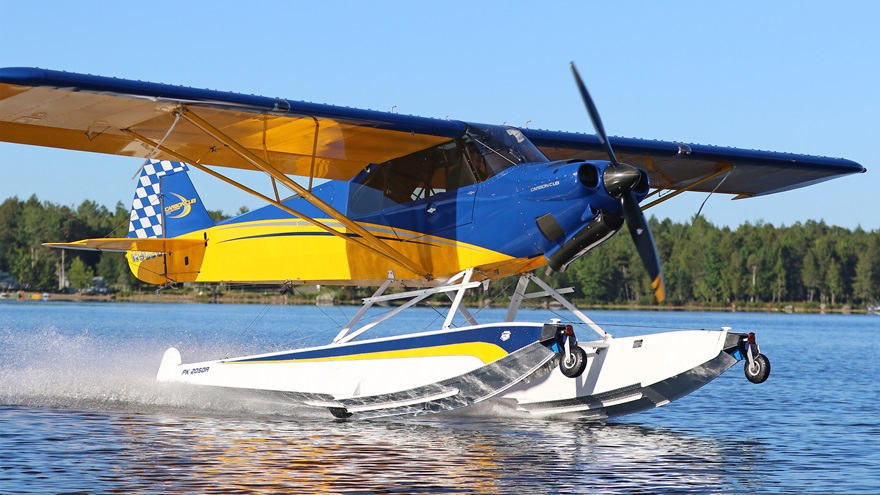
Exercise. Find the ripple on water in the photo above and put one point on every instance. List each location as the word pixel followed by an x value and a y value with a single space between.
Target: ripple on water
pixel 80 412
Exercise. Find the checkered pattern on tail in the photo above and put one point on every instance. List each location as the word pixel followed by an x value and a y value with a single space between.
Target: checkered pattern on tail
pixel 146 218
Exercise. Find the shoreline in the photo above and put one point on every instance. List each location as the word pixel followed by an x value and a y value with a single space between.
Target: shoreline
pixel 315 299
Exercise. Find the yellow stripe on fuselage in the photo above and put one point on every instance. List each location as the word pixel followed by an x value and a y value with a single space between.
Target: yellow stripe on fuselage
pixel 274 251
pixel 278 250
pixel 484 351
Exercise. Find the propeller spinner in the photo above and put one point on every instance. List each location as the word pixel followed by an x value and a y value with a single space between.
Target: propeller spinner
pixel 620 180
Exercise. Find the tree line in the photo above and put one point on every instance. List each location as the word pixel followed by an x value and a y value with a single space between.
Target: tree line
pixel 26 225
pixel 754 264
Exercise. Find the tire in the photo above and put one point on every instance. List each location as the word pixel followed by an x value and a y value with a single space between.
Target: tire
pixel 759 372
pixel 576 366
pixel 340 412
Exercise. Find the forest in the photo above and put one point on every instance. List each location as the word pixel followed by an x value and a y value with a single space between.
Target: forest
pixel 754 265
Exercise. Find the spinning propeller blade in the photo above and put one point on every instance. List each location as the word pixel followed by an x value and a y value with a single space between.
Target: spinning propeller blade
pixel 620 179
pixel 644 241
pixel 594 116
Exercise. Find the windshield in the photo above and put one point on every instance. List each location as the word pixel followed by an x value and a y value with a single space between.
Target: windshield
pixel 492 149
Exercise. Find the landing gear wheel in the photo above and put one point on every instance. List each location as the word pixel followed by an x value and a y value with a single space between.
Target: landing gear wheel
pixel 759 370
pixel 575 365
pixel 340 412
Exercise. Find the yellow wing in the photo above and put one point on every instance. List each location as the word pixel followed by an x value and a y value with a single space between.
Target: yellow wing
pixel 105 115
pixel 206 127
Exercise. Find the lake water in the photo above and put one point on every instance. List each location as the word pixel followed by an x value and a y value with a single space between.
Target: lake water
pixel 80 412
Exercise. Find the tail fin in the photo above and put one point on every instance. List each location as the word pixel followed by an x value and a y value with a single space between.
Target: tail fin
pixel 166 203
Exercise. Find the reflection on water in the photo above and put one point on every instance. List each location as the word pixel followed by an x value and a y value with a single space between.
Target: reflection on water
pixel 113 451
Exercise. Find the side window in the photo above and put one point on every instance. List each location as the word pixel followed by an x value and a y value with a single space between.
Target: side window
pixel 413 177
pixel 368 196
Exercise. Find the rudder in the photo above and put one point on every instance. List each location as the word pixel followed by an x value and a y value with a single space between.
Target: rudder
pixel 166 203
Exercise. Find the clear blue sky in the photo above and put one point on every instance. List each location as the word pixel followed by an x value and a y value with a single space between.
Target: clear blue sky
pixel 800 77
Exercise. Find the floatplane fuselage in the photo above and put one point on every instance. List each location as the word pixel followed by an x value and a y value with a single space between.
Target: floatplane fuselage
pixel 465 230
pixel 421 205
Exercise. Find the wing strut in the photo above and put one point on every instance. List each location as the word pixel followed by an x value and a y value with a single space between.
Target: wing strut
pixel 688 187
pixel 375 243
pixel 277 203
pixel 314 153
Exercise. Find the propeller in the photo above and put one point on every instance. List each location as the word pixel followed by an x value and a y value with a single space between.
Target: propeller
pixel 620 179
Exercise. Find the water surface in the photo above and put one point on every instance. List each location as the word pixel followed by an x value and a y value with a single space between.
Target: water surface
pixel 80 412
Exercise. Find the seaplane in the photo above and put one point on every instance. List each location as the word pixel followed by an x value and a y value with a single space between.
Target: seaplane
pixel 414 207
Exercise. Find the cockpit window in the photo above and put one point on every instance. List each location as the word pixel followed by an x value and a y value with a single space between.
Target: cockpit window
pixel 412 177
pixel 481 153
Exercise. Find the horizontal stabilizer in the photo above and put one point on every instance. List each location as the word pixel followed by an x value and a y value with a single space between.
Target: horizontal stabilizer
pixel 123 244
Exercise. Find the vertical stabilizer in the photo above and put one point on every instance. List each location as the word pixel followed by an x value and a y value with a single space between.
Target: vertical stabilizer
pixel 166 203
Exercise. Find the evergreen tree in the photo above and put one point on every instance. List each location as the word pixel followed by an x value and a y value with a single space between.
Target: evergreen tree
pixel 79 274
pixel 866 283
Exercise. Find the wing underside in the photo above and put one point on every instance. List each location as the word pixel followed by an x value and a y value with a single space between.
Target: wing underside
pixel 675 166
pixel 108 115
pixel 207 127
